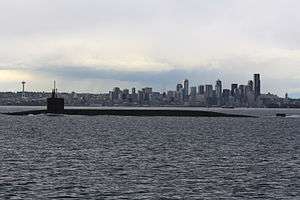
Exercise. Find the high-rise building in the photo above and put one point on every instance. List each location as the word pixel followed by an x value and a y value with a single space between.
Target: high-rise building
pixel 179 87
pixel 140 97
pixel 242 93
pixel 218 89
pixel 201 89
pixel 256 85
pixel 193 92
pixel 234 88
pixel 249 94
pixel 114 95
pixel 125 94
pixel 171 94
pixel 147 91
pixel 133 90
pixel 126 91
pixel 208 90
pixel 186 89
pixel 250 84
pixel 209 95
pixel 226 95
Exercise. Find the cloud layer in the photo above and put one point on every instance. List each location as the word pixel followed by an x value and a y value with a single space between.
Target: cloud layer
pixel 139 41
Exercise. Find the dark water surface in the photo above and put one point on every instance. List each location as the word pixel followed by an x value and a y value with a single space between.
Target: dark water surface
pixel 111 157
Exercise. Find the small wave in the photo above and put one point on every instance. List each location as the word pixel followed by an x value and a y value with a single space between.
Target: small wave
pixel 54 115
pixel 293 116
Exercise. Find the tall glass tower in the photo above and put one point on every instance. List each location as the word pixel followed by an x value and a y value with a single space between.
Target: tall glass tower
pixel 219 88
pixel 186 88
pixel 256 85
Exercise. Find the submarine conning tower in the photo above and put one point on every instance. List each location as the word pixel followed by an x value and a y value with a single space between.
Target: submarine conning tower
pixel 55 104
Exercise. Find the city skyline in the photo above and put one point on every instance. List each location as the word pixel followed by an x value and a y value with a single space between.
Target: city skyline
pixel 183 93
pixel 93 45
pixel 186 85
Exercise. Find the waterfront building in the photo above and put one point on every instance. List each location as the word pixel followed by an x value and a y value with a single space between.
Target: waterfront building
pixel 200 100
pixel 179 96
pixel 185 89
pixel 250 85
pixel 133 90
pixel 226 96
pixel 126 91
pixel 193 92
pixel 171 95
pixel 208 90
pixel 179 87
pixel 115 94
pixel 209 94
pixel 218 89
pixel 242 94
pixel 201 89
pixel 250 96
pixel 234 88
pixel 155 98
pixel 147 91
pixel 256 86
pixel 141 97
pixel 125 94
pixel 269 100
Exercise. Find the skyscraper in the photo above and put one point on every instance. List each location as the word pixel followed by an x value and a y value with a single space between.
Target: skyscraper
pixel 242 93
pixel 114 95
pixel 179 87
pixel 147 91
pixel 133 90
pixel 201 89
pixel 209 94
pixel 256 85
pixel 193 92
pixel 250 84
pixel 208 90
pixel 234 87
pixel 218 89
pixel 225 96
pixel 186 89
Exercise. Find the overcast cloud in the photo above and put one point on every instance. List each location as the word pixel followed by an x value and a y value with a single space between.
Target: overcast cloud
pixel 93 45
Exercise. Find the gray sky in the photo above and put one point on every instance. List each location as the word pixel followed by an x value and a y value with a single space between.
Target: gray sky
pixel 94 45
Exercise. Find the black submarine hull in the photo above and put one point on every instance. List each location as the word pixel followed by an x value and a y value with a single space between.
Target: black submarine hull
pixel 132 112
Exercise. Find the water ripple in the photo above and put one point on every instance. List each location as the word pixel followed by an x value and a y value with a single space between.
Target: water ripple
pixel 111 157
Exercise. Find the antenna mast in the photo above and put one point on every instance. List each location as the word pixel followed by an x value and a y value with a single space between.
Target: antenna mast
pixel 23 89
pixel 54 90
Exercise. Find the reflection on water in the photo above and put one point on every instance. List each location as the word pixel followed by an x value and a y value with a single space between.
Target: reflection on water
pixel 111 157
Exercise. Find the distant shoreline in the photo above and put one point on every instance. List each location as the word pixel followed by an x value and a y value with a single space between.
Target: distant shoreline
pixel 163 106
